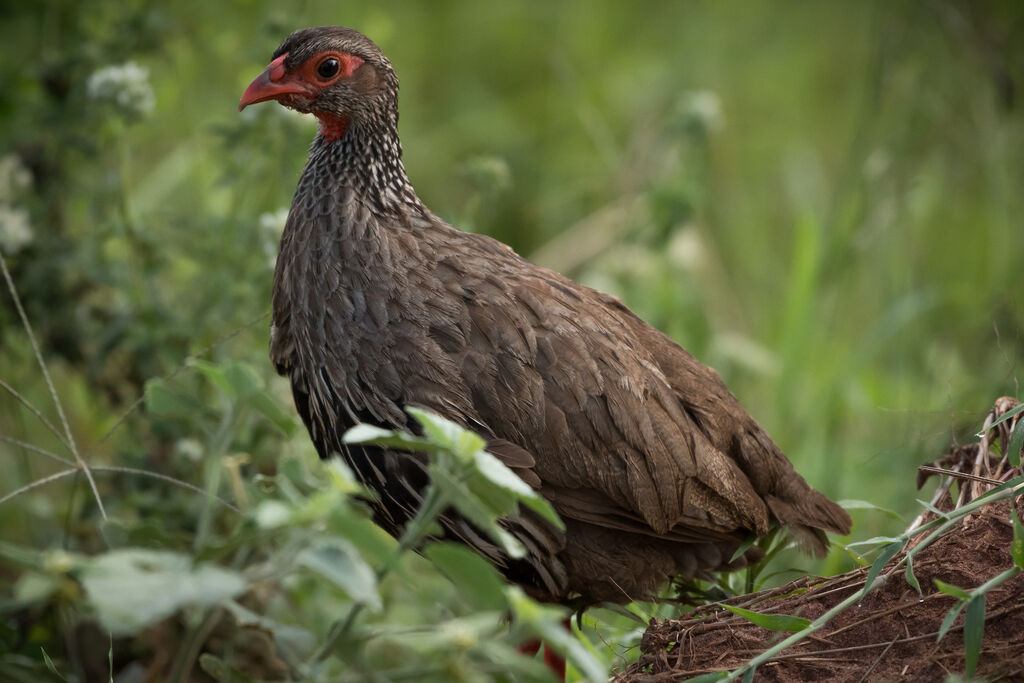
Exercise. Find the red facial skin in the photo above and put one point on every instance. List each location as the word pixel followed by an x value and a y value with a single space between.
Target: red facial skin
pixel 298 88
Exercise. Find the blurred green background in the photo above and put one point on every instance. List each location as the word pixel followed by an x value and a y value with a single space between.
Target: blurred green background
pixel 824 201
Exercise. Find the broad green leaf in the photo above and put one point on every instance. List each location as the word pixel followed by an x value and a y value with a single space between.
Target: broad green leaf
pixel 375 544
pixel 33 587
pixel 475 578
pixel 133 588
pixel 712 677
pixel 480 514
pixel 213 373
pixel 339 562
pixel 974 632
pixel 375 436
pixel 496 472
pixel 888 552
pixel 772 622
pixel 1017 546
pixel 445 433
pixel 1016 442
pixel 498 500
pixel 749 676
pixel 162 400
pixel 949 589
pixel 268 407
pixel 243 378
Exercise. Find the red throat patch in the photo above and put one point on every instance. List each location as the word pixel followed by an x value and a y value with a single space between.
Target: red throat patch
pixel 332 126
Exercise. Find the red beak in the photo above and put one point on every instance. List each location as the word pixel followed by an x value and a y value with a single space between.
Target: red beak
pixel 270 85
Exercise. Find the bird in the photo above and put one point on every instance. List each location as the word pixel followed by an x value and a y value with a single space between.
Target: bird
pixel 650 461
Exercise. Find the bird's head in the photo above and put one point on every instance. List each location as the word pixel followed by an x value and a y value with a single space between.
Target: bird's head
pixel 335 73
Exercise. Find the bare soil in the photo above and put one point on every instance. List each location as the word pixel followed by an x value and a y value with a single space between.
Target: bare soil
pixel 892 634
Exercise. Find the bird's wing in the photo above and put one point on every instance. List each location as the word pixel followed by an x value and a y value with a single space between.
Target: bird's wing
pixel 554 370
pixel 730 429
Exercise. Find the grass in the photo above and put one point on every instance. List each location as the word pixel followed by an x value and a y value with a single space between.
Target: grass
pixel 821 202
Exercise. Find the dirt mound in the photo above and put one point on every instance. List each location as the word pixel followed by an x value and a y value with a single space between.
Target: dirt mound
pixel 891 634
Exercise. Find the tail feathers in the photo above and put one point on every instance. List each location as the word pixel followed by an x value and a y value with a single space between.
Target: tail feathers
pixel 809 517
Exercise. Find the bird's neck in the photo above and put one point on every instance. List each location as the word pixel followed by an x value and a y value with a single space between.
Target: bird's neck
pixel 365 161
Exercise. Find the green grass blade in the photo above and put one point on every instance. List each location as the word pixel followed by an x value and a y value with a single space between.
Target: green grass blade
pixel 772 622
pixel 949 589
pixel 974 631
pixel 888 552
pixel 1017 547
pixel 1016 441
pixel 951 615
pixel 1003 418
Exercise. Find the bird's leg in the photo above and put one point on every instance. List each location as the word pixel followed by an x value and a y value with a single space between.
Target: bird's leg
pixel 555 661
pixel 530 647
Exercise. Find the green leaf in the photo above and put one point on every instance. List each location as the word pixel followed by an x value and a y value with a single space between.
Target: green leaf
pixel 888 552
pixel 49 665
pixel 33 587
pixel 1017 546
pixel 515 665
pixel 373 543
pixel 445 433
pixel 772 622
pixel 877 540
pixel 339 562
pixel 243 379
pixel 497 473
pixel 931 508
pixel 712 677
pixel 909 575
pixel 974 632
pixel 955 591
pixel 744 547
pixel 475 510
pixel 294 639
pixel 1016 442
pixel 850 504
pixel 951 615
pixel 565 643
pixel 133 588
pixel 375 436
pixel 1002 418
pixel 213 373
pixel 475 578
pixel 162 400
pixel 268 407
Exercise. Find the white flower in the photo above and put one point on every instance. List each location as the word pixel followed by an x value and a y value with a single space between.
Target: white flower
pixel 124 85
pixel 14 177
pixel 15 229
pixel 704 109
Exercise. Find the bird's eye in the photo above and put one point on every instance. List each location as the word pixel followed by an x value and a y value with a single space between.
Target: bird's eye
pixel 328 68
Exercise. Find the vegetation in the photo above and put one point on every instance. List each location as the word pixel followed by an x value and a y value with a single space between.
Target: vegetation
pixel 823 202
